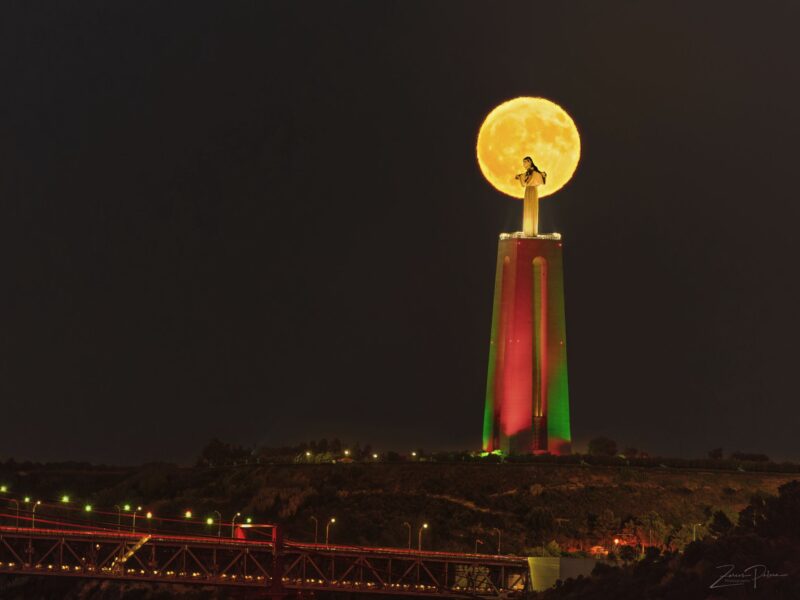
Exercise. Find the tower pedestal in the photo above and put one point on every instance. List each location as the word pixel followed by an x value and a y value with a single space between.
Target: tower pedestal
pixel 527 397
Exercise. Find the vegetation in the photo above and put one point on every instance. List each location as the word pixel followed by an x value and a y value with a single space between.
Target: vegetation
pixel 766 543
pixel 543 505
pixel 602 446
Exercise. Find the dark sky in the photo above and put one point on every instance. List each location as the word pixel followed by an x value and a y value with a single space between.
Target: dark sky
pixel 265 222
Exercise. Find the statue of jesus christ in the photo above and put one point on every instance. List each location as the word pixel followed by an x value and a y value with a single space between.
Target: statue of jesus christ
pixel 531 179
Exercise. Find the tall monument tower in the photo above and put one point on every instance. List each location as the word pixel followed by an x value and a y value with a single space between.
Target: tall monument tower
pixel 527 395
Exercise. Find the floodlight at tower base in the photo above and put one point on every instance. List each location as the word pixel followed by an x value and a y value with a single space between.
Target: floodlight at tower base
pixel 527 395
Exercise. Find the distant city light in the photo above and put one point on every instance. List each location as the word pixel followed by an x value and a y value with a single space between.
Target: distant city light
pixel 249 520
pixel 347 452
pixel 27 499
pixel 65 499
pixel 126 508
pixel 149 515
pixel 3 489
pixel 308 453
pixel 209 521
pixel 413 454
pixel 88 508
pixel 188 514
pixel 375 456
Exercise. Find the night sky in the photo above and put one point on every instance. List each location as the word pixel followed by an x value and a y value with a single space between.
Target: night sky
pixel 265 222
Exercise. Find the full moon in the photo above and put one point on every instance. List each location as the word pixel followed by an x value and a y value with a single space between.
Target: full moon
pixel 534 127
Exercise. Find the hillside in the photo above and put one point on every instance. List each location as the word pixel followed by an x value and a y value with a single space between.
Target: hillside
pixel 578 506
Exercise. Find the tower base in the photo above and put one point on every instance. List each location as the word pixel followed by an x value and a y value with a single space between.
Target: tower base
pixel 527 396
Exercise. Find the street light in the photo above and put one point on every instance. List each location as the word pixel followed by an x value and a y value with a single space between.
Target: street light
pixel 149 517
pixel 497 531
pixel 219 524
pixel 133 527
pixel 419 537
pixel 347 452
pixel 477 541
pixel 694 530
pixel 233 522
pixel 119 516
pixel 16 503
pixel 33 513
pixel 316 527
pixel 407 524
pixel 187 514
pixel 65 499
pixel 328 529
pixel 3 489
pixel 87 508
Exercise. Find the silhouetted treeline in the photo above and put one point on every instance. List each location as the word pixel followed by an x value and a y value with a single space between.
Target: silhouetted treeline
pixel 766 537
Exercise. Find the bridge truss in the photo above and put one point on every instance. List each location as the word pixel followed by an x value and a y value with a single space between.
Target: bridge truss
pixel 278 568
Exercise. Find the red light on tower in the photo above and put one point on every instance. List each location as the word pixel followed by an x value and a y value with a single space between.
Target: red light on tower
pixel 527 399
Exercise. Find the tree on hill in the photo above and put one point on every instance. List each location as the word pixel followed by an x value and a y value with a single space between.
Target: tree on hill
pixel 654 529
pixel 630 452
pixel 540 521
pixel 750 456
pixel 772 542
pixel 627 553
pixel 606 526
pixel 720 524
pixel 780 515
pixel 217 453
pixel 602 446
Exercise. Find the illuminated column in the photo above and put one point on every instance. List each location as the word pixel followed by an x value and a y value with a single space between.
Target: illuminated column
pixel 527 397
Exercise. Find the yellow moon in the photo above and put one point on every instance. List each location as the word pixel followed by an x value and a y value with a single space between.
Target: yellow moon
pixel 534 127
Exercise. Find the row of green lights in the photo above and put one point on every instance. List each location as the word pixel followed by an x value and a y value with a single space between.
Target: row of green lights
pixel 127 507
pixel 27 499
pixel 210 520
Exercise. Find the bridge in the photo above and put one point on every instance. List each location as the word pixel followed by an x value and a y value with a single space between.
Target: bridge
pixel 279 567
